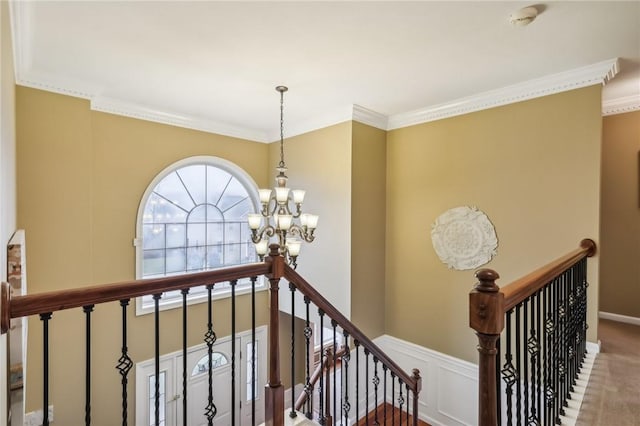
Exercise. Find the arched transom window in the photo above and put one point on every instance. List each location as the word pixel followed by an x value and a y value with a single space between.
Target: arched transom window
pixel 193 217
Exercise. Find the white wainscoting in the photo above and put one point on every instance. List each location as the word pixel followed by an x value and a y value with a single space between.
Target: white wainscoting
pixel 449 395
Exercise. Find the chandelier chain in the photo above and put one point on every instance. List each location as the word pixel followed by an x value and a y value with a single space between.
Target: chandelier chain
pixel 281 129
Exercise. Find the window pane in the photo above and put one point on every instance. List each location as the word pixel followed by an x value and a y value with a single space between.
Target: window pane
pixel 215 234
pixel 217 360
pixel 194 178
pixel 240 210
pixel 152 236
pixel 195 258
pixel 161 398
pixel 196 234
pixel 173 190
pixel 232 232
pixel 246 232
pixel 232 254
pixel 233 194
pixel 175 260
pixel 176 236
pixel 214 257
pixel 248 253
pixel 153 262
pixel 217 180
pixel 250 379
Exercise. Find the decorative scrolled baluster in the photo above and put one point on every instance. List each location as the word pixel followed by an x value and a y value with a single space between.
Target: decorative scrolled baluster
pixel 321 414
pixel 401 399
pixel 254 377
pixel 509 373
pixel 124 362
pixel 334 324
pixel 357 346
pixel 366 384
pixel 384 394
pixel 308 389
pixel 376 382
pixel 233 284
pixel 346 357
pixel 210 338
pixel 156 382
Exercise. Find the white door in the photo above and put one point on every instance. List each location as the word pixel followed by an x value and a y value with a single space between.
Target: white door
pixel 171 405
pixel 198 385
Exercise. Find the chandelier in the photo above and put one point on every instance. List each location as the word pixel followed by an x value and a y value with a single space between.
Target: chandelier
pixel 282 211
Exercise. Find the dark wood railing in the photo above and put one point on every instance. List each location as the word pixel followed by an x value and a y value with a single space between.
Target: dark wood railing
pixel 545 317
pixel 274 269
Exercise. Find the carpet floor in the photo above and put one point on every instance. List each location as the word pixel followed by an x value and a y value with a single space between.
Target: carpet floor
pixel 613 394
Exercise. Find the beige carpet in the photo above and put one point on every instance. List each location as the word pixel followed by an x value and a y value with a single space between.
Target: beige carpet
pixel 612 397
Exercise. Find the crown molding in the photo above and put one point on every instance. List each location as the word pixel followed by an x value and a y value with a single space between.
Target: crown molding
pixel 621 105
pixel 369 117
pixel 599 73
pixel 127 109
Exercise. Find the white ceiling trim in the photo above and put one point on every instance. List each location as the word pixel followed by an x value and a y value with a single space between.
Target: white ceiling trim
pixel 370 117
pixel 621 105
pixel 599 73
pixel 118 107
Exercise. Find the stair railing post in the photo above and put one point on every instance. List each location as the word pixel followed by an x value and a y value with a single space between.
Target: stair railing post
pixel 274 391
pixel 486 317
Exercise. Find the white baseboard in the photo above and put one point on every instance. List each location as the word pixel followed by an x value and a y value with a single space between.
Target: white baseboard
pixel 449 385
pixel 619 318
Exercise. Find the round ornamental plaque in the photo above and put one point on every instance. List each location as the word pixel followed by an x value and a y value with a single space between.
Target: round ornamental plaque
pixel 464 238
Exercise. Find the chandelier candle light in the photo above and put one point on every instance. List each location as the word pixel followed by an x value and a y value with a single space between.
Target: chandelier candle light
pixel 280 219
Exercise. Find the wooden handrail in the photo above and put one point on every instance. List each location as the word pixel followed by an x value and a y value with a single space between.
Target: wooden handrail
pixel 53 301
pixel 524 287
pixel 413 381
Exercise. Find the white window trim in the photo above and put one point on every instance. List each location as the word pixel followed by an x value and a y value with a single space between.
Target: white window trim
pixel 236 171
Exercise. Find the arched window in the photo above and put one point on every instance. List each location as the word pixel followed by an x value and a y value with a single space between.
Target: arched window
pixel 193 217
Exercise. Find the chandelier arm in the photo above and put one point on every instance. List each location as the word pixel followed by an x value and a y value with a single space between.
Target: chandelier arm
pixel 303 232
pixel 258 234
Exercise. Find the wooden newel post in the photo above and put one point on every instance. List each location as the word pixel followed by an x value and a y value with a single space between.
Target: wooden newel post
pixel 274 391
pixel 486 317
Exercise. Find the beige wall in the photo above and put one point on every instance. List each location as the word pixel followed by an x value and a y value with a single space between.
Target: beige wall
pixel 620 215
pixel 532 167
pixel 7 169
pixel 368 216
pixel 81 175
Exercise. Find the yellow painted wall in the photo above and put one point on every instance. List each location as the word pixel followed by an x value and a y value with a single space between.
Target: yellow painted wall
pixel 620 216
pixel 368 216
pixel 533 167
pixel 81 175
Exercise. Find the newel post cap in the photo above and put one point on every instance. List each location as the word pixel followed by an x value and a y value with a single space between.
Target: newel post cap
pixel 589 245
pixel 487 281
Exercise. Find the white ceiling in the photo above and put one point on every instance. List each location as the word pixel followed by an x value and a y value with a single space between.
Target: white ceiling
pixel 214 65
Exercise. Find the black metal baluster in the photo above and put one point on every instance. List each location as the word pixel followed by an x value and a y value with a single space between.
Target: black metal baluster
pixel 556 350
pixel 292 288
pixel 540 354
pixel 45 368
pixel 124 362
pixel 184 292
pixel 525 361
pixel 308 332
pixel 346 357
pixel 357 345
pixel 533 349
pixel 400 399
pixel 518 369
pixel 334 324
pixel 393 399
pixel 233 284
pixel 564 394
pixel 384 394
pixel 376 382
pixel 156 393
pixel 498 381
pixel 321 418
pixel 210 338
pixel 254 378
pixel 87 405
pixel 408 400
pixel 548 365
pixel 509 373
pixel 366 386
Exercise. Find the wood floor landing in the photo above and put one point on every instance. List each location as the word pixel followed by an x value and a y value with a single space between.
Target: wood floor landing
pixel 393 417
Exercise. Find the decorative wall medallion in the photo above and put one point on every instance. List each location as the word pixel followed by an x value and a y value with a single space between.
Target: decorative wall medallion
pixel 464 238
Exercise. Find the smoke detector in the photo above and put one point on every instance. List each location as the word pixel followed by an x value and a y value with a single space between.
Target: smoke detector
pixel 523 16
